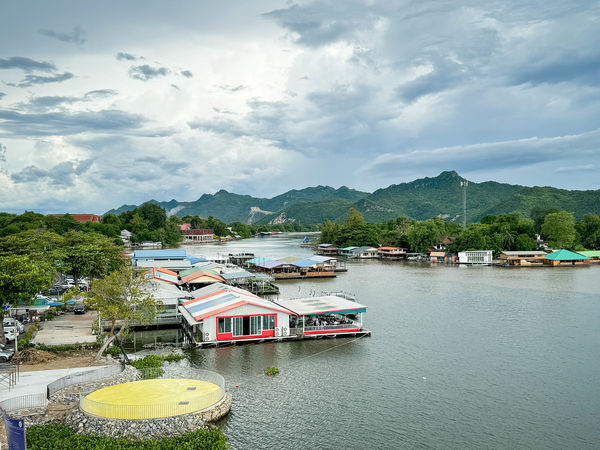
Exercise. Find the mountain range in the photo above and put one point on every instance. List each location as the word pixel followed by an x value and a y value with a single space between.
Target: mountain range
pixel 420 199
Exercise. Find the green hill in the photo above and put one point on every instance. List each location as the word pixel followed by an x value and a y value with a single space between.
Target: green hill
pixel 420 199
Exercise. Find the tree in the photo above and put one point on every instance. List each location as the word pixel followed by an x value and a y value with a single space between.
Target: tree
pixel 422 235
pixel 589 230
pixel 21 278
pixel 330 232
pixel 354 218
pixel 123 296
pixel 154 215
pixel 559 229
pixel 524 243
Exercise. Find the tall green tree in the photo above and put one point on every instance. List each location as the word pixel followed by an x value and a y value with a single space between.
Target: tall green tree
pixel 559 229
pixel 21 278
pixel 589 231
pixel 126 297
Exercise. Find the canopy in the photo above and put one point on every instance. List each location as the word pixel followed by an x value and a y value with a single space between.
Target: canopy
pixel 326 304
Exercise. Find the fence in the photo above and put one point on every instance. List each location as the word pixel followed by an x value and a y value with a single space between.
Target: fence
pixel 30 401
pixel 9 374
pixel 83 377
pixel 195 398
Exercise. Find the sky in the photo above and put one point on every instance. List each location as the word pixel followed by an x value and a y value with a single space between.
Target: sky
pixel 106 103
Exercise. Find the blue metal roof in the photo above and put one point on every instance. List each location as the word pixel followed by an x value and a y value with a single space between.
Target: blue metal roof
pixel 304 263
pixel 194 259
pixel 159 254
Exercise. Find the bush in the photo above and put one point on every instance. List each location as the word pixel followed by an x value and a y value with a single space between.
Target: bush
pixel 66 347
pixel 151 365
pixel 271 371
pixel 25 341
pixel 61 437
pixel 114 351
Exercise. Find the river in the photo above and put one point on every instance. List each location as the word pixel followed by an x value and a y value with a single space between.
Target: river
pixel 460 357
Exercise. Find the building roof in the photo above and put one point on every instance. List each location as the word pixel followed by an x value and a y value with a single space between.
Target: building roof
pixel 590 253
pixel 390 248
pixel 201 276
pixel 160 254
pixel 80 217
pixel 179 264
pixel 289 259
pixel 272 263
pixel 326 304
pixel 565 255
pixel 228 276
pixel 197 232
pixel 167 294
pixel 206 268
pixel 321 259
pixel 524 252
pixel 348 249
pixel 160 273
pixel 195 260
pixel 305 262
pixel 258 260
pixel 220 298
pixel 326 245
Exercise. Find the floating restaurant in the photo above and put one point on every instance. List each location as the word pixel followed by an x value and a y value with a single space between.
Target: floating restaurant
pixel 565 258
pixel 297 268
pixel 223 314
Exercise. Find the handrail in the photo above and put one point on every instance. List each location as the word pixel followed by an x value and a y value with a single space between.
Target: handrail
pixel 331 327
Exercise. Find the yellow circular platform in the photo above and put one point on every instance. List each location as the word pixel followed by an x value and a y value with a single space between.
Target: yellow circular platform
pixel 152 399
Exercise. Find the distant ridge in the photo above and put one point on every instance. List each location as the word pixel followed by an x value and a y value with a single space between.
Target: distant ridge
pixel 420 199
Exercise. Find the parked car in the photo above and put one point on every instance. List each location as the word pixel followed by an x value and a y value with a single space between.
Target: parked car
pixel 80 309
pixel 10 333
pixel 12 322
pixel 57 290
pixel 6 355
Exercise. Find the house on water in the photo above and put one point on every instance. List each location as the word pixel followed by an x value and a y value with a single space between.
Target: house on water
pixel 476 257
pixel 222 313
pixel 566 258
pixel 391 253
pixel 593 255
pixel 327 249
pixel 522 258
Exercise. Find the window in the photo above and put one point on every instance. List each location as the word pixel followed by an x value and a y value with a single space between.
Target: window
pixel 269 322
pixel 255 325
pixel 225 325
pixel 238 326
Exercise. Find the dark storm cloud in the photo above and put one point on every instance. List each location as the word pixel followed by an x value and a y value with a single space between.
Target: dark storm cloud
pixel 2 94
pixel 76 36
pixel 26 64
pixel 62 174
pixel 320 23
pixel 16 124
pixel 187 73
pixel 31 80
pixel 444 75
pixel 517 153
pixel 122 56
pixel 51 102
pixel 146 72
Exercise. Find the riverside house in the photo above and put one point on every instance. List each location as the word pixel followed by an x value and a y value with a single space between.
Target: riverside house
pixel 522 258
pixel 391 253
pixel 566 258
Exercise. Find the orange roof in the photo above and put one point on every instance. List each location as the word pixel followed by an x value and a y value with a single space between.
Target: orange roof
pixel 389 248
pixel 80 217
pixel 198 274
pixel 163 270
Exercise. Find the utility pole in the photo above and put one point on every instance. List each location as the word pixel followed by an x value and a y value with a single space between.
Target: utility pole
pixel 464 184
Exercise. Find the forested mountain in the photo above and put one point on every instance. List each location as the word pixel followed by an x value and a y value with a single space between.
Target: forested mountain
pixel 421 199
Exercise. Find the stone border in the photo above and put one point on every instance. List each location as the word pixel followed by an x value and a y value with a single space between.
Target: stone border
pixel 63 407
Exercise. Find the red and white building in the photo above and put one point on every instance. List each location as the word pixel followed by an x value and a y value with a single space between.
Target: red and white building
pixel 83 218
pixel 191 235
pixel 225 313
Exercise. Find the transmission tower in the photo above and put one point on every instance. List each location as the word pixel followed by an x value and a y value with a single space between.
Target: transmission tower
pixel 464 184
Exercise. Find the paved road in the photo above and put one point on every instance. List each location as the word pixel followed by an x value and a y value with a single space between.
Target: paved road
pixel 68 328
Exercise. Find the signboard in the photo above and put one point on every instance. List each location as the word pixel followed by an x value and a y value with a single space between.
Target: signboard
pixel 15 433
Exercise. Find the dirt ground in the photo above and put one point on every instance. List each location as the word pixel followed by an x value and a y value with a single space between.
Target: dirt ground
pixel 33 360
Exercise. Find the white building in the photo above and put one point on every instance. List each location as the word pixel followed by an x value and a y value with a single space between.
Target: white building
pixel 475 257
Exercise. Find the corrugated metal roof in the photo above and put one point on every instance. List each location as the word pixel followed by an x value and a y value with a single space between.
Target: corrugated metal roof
pixel 327 304
pixel 271 264
pixel 305 263
pixel 529 252
pixel 318 258
pixel 220 298
pixel 565 255
pixel 590 253
pixel 196 276
pixel 289 259
pixel 237 275
pixel 258 260
pixel 159 254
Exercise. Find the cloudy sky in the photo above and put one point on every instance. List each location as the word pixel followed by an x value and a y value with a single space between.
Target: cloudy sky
pixel 105 103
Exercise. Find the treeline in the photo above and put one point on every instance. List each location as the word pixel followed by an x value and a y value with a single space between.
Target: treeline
pixel 31 260
pixel 497 233
pixel 149 222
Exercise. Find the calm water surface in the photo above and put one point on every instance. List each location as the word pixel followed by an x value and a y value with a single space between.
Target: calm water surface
pixel 460 357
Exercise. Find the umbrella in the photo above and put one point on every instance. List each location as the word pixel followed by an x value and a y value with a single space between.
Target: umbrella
pixel 55 304
pixel 71 301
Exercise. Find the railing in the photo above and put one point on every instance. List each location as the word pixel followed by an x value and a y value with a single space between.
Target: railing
pixel 9 374
pixel 83 377
pixel 340 326
pixel 195 402
pixel 343 294
pixel 24 402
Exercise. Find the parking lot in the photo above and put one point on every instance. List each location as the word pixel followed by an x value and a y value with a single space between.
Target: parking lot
pixel 68 328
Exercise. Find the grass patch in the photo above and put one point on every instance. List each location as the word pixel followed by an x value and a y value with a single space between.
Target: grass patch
pixel 151 365
pixel 56 436
pixel 66 347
